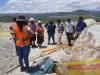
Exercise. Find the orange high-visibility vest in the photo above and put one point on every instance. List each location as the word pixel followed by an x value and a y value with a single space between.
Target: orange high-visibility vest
pixel 27 41
pixel 22 35
pixel 19 37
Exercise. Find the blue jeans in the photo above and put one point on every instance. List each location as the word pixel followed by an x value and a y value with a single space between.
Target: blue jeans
pixel 23 53
pixel 51 36
pixel 14 39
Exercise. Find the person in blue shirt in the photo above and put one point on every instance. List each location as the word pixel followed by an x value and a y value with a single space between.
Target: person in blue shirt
pixel 51 31
pixel 81 25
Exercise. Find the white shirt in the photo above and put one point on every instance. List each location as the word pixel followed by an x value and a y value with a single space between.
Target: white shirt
pixel 69 27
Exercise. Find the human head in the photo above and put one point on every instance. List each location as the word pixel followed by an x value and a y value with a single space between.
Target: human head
pixel 59 21
pixel 31 20
pixel 21 21
pixel 51 22
pixel 40 23
pixel 81 19
pixel 68 20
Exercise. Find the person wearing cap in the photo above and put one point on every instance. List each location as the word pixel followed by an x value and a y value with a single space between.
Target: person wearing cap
pixel 60 31
pixel 40 34
pixel 22 43
pixel 33 28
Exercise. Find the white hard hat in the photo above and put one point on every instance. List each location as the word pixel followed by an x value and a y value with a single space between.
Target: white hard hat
pixel 31 19
pixel 39 22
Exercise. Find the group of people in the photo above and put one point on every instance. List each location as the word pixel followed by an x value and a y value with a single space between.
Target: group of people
pixel 26 32
pixel 72 31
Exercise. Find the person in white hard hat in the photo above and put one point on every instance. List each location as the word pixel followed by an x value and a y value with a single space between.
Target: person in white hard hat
pixel 40 34
pixel 32 24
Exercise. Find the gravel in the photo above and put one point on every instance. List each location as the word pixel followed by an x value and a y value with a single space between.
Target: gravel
pixel 8 58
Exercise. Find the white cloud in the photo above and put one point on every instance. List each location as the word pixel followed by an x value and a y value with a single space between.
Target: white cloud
pixel 42 6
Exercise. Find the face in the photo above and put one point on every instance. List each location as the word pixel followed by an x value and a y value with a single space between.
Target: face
pixel 32 21
pixel 40 24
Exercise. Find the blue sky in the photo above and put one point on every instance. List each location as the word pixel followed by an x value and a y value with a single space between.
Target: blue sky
pixel 3 2
pixel 44 6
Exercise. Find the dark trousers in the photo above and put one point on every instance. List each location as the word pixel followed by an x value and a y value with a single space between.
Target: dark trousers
pixel 23 53
pixel 33 39
pixel 51 36
pixel 40 39
pixel 14 39
pixel 69 38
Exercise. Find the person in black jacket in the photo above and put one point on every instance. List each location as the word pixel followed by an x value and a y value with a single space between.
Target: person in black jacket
pixel 51 31
pixel 81 25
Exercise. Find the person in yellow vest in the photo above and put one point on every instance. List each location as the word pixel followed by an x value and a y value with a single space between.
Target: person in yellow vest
pixel 22 42
pixel 40 34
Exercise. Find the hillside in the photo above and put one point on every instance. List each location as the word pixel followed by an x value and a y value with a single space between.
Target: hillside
pixel 48 16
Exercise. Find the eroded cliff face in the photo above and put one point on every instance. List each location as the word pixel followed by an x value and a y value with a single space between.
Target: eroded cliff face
pixel 87 46
pixel 4 26
pixel 8 58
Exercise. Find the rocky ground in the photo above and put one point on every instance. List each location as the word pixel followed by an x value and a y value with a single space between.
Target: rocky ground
pixel 8 59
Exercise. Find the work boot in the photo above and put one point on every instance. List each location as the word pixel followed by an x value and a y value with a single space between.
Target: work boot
pixel 28 70
pixel 54 43
pixel 70 45
pixel 34 46
pixel 48 43
pixel 22 69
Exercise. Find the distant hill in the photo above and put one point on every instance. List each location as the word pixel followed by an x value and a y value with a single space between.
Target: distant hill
pixel 94 14
pixel 52 14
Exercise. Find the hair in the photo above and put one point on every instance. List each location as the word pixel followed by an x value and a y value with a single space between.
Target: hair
pixel 59 20
pixel 51 22
pixel 20 25
pixel 81 18
pixel 68 20
pixel 26 22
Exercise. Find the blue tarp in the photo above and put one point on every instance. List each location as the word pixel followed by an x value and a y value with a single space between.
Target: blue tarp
pixel 46 66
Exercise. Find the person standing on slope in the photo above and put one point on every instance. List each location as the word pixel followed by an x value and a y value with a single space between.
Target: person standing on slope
pixel 69 31
pixel 13 25
pixel 22 43
pixel 33 28
pixel 60 30
pixel 51 32
pixel 40 34
pixel 81 25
